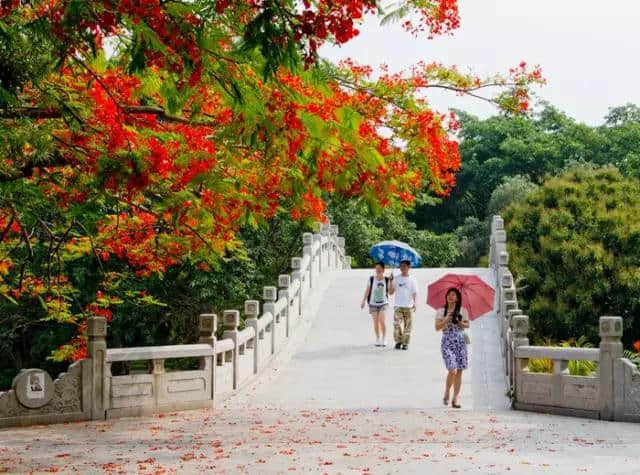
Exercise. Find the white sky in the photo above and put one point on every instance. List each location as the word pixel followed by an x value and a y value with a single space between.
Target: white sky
pixel 589 50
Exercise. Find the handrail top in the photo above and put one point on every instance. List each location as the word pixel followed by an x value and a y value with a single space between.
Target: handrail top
pixel 224 345
pixel 558 353
pixel 158 352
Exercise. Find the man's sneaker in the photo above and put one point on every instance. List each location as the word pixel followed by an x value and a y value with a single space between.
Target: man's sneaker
pixel 398 346
pixel 405 347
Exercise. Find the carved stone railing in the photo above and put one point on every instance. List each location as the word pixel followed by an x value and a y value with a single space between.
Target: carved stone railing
pixel 612 393
pixel 90 390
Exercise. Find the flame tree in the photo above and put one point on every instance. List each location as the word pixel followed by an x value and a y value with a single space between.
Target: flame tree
pixel 136 135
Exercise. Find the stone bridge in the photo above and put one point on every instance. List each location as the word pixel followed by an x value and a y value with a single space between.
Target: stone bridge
pixel 302 388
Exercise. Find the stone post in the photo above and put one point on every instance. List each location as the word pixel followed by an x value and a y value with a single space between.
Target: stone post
pixel 158 372
pixel 505 281
pixel 326 233
pixel 497 224
pixel 560 370
pixel 341 252
pixel 97 353
pixel 317 238
pixel 284 282
pixel 207 325
pixel 520 331
pixel 230 321
pixel 269 296
pixel 334 230
pixel 307 241
pixel 610 350
pixel 251 312
pixel 296 265
pixel 347 262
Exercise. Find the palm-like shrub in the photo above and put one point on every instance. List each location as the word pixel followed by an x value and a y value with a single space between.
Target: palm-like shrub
pixel 576 367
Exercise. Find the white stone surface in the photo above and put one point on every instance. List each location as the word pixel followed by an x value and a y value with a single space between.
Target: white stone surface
pixel 338 365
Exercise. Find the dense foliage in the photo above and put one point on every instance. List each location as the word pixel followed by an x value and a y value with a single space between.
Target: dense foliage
pixel 575 250
pixel 362 230
pixel 533 146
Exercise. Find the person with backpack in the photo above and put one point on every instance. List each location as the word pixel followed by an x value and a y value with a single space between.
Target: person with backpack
pixel 377 296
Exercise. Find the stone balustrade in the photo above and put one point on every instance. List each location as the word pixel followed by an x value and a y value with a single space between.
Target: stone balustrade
pixel 611 393
pixel 91 390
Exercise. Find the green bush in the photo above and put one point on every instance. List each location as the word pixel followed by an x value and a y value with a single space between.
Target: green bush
pixel 575 243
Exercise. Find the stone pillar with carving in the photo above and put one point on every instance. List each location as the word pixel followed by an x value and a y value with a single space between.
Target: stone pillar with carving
pixel 269 295
pixel 207 325
pixel 251 314
pixel 230 321
pixel 341 252
pixel 497 224
pixel 307 250
pixel 317 237
pixel 333 232
pixel 296 274
pixel 325 232
pixel 97 353
pixel 508 355
pixel 284 282
pixel 520 338
pixel 610 350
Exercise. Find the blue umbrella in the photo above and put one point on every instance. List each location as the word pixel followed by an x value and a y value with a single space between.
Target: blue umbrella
pixel 394 252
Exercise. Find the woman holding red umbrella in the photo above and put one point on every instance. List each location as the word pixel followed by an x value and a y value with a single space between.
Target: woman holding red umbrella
pixel 452 319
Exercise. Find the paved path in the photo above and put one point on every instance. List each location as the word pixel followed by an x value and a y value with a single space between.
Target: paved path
pixel 333 403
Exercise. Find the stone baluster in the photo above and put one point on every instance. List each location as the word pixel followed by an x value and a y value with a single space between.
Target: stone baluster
pixel 334 230
pixel 230 321
pixel 296 273
pixel 508 338
pixel 325 232
pixel 284 281
pixel 307 241
pixel 269 295
pixel 520 338
pixel 97 353
pixel 317 237
pixel 505 282
pixel 341 252
pixel 610 350
pixel 207 325
pixel 497 224
pixel 251 312
pixel 161 397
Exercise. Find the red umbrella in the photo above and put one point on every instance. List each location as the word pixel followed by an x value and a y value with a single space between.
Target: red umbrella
pixel 477 295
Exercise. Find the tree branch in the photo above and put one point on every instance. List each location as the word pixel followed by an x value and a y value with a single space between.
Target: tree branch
pixel 39 113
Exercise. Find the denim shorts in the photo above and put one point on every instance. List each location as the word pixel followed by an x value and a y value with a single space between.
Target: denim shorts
pixel 373 309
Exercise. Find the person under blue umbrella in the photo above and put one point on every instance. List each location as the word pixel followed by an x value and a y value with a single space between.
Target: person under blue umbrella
pixel 404 286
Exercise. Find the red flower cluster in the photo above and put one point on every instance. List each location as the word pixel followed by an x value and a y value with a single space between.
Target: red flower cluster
pixel 437 18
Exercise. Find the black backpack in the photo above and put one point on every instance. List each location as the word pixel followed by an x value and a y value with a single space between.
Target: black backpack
pixel 386 285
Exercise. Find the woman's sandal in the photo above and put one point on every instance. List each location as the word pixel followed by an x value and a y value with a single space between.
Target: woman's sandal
pixel 455 405
pixel 445 401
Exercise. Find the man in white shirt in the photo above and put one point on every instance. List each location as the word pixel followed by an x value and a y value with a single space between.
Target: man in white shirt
pixel 405 289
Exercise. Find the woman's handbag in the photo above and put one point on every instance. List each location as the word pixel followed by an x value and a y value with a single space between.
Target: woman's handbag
pixel 467 338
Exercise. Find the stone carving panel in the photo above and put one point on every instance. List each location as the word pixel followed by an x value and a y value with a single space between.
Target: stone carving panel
pixel 632 392
pixel 67 396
